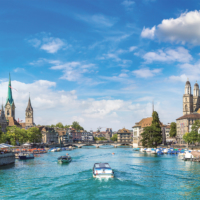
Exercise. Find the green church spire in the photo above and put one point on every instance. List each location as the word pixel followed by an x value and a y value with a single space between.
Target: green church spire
pixel 9 98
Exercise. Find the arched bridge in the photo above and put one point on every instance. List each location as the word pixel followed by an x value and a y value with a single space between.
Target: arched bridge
pixel 97 145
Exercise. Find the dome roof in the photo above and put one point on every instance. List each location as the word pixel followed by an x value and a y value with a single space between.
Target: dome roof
pixel 187 83
pixel 196 84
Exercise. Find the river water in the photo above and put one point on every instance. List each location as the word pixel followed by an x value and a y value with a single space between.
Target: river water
pixel 137 176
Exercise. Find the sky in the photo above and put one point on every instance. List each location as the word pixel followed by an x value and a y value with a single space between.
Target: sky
pixel 101 62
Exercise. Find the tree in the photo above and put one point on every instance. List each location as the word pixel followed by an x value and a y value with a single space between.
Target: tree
pixel 114 137
pixel 59 125
pixel 76 126
pixel 152 135
pixel 172 131
pixel 66 126
pixel 34 135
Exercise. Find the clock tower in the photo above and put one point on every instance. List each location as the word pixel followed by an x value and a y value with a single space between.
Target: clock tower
pixel 10 106
pixel 29 114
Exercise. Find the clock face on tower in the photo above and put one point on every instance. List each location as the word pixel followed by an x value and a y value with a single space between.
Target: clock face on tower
pixel 28 114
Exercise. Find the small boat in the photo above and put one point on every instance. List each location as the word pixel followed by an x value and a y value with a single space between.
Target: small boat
pixel 148 150
pixel 102 170
pixel 26 156
pixel 64 159
pixel 165 150
pixel 54 150
pixel 153 151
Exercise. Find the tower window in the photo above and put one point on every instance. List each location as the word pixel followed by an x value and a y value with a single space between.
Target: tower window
pixel 185 99
pixel 186 108
pixel 8 112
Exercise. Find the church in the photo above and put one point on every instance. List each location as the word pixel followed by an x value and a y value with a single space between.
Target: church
pixel 9 115
pixel 191 111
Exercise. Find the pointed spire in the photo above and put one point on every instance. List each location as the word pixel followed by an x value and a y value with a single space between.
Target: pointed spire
pixel 29 107
pixel 9 97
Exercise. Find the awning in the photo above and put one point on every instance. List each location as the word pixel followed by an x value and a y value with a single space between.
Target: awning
pixel 3 145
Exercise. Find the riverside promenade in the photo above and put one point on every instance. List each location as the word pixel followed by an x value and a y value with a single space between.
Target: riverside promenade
pixel 7 158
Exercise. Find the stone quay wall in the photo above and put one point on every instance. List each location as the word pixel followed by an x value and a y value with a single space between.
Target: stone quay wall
pixel 7 158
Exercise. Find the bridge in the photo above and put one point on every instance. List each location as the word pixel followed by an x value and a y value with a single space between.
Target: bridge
pixel 97 145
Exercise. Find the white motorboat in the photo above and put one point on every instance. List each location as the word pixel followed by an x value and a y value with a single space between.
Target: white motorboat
pixel 102 170
pixel 148 150
pixel 188 156
pixel 165 150
pixel 142 150
pixel 153 151
pixel 54 150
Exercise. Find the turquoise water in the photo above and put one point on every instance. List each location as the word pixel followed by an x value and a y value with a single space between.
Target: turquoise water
pixel 137 176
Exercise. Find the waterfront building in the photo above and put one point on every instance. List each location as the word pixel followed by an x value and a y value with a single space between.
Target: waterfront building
pixel 64 136
pixel 184 124
pixel 76 135
pixel 87 136
pixel 191 111
pixel 49 135
pixel 138 129
pixel 123 135
pixel 3 121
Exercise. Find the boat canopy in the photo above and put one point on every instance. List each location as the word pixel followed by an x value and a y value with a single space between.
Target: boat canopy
pixel 102 165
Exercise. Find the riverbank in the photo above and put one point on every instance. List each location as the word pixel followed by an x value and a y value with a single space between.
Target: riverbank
pixel 7 158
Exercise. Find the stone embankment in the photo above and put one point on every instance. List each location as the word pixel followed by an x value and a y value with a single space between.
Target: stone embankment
pixel 7 158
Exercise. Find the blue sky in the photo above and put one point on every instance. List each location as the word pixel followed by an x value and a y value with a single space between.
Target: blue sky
pixel 100 62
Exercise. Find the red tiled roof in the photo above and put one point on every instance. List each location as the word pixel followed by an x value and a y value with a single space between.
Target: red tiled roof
pixel 190 116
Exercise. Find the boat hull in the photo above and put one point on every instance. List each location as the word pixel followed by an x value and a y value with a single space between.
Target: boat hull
pixel 103 175
pixel 25 158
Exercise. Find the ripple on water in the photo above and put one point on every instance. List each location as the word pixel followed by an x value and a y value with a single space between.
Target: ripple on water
pixel 137 176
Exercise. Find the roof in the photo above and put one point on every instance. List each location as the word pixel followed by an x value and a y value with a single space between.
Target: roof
pixel 145 122
pixel 188 83
pixel 61 132
pixel 9 97
pixel 23 124
pixel 124 131
pixel 190 116
pixel 29 107
pixel 12 122
pixel 102 165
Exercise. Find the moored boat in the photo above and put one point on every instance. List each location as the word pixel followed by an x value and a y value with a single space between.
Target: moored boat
pixel 25 156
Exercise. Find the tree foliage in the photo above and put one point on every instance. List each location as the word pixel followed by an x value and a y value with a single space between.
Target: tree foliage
pixel 76 126
pixel 152 135
pixel 59 125
pixel 172 131
pixel 114 137
pixel 34 135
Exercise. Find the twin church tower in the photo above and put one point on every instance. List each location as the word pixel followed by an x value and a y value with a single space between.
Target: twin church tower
pixel 10 110
pixel 191 103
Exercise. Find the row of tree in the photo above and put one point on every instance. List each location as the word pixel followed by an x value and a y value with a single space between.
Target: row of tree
pixel 74 125
pixel 15 136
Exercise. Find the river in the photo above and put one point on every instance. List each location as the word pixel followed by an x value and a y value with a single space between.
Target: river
pixel 137 176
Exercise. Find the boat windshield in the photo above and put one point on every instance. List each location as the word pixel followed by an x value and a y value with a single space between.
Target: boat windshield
pixel 102 165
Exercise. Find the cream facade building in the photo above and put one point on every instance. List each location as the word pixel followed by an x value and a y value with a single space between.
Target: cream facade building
pixel 124 135
pixel 191 109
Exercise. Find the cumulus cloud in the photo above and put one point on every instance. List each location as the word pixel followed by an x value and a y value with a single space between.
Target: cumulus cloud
pixel 146 72
pixel 191 71
pixel 179 54
pixel 49 44
pixel 184 29
pixel 132 48
pixel 148 33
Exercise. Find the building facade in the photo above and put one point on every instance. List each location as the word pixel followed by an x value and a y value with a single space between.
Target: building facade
pixel 124 135
pixel 3 121
pixel 87 137
pixel 49 135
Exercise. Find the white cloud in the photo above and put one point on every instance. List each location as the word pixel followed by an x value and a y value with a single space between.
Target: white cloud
pixel 179 54
pixel 49 44
pixel 148 33
pixel 18 69
pixel 52 45
pixel 128 4
pixel 191 71
pixel 146 72
pixel 184 29
pixel 132 48
pixel 98 20
pixel 73 71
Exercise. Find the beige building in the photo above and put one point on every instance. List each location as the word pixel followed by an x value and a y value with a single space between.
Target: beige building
pixel 139 128
pixel 184 124
pixel 124 135
pixel 49 135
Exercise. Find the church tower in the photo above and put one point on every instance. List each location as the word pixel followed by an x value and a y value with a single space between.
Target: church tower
pixel 10 106
pixel 29 114
pixel 187 100
pixel 196 97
